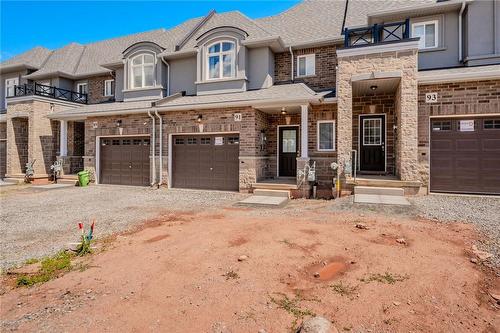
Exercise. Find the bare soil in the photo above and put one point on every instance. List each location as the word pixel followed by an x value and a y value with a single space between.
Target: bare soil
pixel 179 272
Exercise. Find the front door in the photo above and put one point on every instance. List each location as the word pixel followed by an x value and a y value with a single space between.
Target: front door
pixel 288 150
pixel 372 143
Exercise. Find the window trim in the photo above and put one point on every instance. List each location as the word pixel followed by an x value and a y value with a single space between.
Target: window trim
pixel 111 92
pixel 318 143
pixel 131 71
pixel 16 80
pixel 436 33
pixel 220 54
pixel 306 56
pixel 78 85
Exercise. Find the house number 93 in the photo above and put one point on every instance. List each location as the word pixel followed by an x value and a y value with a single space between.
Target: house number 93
pixel 431 97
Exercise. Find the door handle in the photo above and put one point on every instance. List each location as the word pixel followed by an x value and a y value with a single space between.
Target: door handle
pixel 130 165
pixel 211 169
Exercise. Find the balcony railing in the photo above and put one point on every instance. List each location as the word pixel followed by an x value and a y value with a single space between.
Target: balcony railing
pixel 30 89
pixel 377 33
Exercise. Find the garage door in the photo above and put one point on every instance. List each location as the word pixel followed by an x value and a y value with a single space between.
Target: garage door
pixel 3 158
pixel 465 155
pixel 125 161
pixel 206 162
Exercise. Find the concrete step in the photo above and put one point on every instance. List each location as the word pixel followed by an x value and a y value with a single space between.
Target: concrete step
pixel 67 181
pixel 14 180
pixel 395 191
pixel 263 201
pixel 274 186
pixel 272 193
pixel 379 199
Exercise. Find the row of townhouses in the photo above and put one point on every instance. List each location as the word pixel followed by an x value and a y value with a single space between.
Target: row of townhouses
pixel 401 93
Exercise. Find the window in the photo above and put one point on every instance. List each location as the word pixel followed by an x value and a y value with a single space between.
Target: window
pixel 142 71
pixel 192 141
pixel 109 87
pixel 372 132
pixel 491 124
pixel 179 141
pixel 441 125
pixel 221 60
pixel 326 135
pixel 81 88
pixel 428 33
pixel 205 141
pixel 10 86
pixel 306 65
pixel 233 140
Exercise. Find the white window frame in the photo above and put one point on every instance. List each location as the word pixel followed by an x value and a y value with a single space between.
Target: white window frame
pixel 436 32
pixel 367 120
pixel 111 92
pixel 78 85
pixel 310 57
pixel 16 83
pixel 318 144
pixel 220 54
pixel 143 76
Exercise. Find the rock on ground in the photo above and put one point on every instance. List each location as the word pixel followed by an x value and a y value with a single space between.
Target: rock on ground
pixel 317 324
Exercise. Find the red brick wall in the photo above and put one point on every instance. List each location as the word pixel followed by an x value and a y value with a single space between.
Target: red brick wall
pixel 326 62
pixel 96 89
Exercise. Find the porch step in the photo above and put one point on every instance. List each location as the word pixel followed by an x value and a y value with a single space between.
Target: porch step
pixel 68 179
pixel 263 201
pixel 14 180
pixel 274 186
pixel 395 191
pixel 272 193
pixel 383 182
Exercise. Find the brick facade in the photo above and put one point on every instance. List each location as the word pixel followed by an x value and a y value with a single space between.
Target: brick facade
pixel 326 62
pixel 96 89
pixel 459 98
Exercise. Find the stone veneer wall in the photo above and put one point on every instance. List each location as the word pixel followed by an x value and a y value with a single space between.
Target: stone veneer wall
pixel 96 89
pixel 3 149
pixel 456 98
pixel 384 103
pixel 253 159
pixel 326 62
pixel 406 106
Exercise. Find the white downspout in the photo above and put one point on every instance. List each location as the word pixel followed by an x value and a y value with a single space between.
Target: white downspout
pixel 460 37
pixel 153 144
pixel 168 75
pixel 292 61
pixel 161 148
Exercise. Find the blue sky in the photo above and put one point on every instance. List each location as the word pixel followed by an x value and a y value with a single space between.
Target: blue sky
pixel 26 24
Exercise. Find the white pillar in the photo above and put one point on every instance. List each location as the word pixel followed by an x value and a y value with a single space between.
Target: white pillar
pixel 304 124
pixel 63 138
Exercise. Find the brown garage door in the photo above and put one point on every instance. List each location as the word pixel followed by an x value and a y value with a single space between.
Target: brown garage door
pixel 125 161
pixel 206 162
pixel 465 155
pixel 3 158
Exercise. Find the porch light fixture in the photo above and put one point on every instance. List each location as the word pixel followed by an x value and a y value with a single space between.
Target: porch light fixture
pixel 118 123
pixel 283 111
pixel 200 117
pixel 373 87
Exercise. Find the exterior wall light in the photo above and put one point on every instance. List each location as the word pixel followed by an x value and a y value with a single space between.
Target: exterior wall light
pixel 283 111
pixel 373 88
pixel 200 117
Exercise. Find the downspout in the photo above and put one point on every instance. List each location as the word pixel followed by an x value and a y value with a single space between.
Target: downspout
pixel 161 148
pixel 168 75
pixel 291 53
pixel 153 144
pixel 460 33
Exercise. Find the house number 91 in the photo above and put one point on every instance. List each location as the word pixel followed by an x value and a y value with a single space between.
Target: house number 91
pixel 237 117
pixel 431 97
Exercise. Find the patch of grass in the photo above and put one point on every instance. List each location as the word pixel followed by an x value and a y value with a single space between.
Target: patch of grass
pixel 31 261
pixel 50 268
pixel 344 289
pixel 387 278
pixel 231 275
pixel 292 307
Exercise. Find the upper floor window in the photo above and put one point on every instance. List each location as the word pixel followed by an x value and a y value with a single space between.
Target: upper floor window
pixel 142 71
pixel 109 87
pixel 81 88
pixel 428 33
pixel 306 65
pixel 10 86
pixel 221 60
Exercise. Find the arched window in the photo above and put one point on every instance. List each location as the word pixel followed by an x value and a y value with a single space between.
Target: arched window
pixel 221 60
pixel 142 71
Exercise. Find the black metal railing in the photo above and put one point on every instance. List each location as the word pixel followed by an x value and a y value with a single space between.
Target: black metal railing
pixel 29 89
pixel 377 33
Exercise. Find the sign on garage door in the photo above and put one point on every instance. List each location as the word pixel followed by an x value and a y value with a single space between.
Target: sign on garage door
pixel 465 155
pixel 206 161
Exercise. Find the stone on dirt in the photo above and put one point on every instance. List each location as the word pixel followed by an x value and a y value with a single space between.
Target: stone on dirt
pixel 317 324
pixel 242 258
pixel 401 241
pixel 361 226
pixel 482 255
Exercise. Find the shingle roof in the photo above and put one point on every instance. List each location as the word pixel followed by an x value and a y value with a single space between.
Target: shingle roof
pixel 33 58
pixel 101 108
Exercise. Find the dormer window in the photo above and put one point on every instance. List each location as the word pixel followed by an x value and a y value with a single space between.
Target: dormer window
pixel 221 60
pixel 142 71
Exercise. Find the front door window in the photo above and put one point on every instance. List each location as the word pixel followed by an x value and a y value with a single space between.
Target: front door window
pixel 289 141
pixel 372 132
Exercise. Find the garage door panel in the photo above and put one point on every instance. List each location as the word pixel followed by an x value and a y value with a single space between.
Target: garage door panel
pixel 464 161
pixel 204 165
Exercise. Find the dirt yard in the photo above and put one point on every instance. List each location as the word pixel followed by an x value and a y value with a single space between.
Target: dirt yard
pixel 180 272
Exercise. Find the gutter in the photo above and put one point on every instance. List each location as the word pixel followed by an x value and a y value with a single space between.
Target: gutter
pixel 153 145
pixel 161 148
pixel 292 61
pixel 460 33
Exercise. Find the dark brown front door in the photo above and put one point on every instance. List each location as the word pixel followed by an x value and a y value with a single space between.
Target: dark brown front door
pixel 125 161
pixel 206 161
pixel 465 155
pixel 372 143
pixel 288 151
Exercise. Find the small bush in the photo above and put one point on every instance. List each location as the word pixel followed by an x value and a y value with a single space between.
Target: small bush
pixel 50 268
